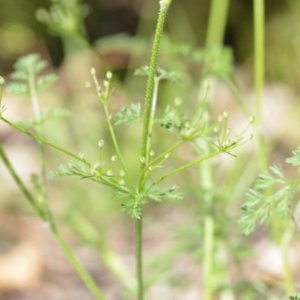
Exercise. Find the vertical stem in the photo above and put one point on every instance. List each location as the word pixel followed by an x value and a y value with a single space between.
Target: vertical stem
pixel 217 22
pixel 85 276
pixel 39 129
pixel 288 275
pixel 208 258
pixel 147 124
pixel 2 81
pixel 259 76
pixel 139 257
pixel 20 184
pixel 215 36
pixel 149 112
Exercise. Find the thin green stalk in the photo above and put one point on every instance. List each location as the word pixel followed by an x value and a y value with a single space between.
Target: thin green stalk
pixel 71 154
pixel 113 136
pixel 85 276
pixel 2 81
pixel 21 185
pixel 103 98
pixel 139 256
pixel 39 130
pixel 288 274
pixel 259 76
pixel 188 165
pixel 109 258
pixel 208 258
pixel 40 139
pixel 149 99
pixel 88 280
pixel 217 22
pixel 149 111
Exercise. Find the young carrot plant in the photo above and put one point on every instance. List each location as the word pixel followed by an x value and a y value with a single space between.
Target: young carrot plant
pixel 155 167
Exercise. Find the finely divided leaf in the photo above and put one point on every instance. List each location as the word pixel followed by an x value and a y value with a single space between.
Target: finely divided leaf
pixel 129 115
pixel 295 159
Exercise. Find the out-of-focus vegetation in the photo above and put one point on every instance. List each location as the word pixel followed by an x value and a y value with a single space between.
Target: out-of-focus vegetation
pixel 194 248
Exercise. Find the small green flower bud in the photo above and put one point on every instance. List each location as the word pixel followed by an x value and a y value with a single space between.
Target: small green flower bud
pixel 152 153
pixel 101 143
pixel 177 102
pixel 109 173
pixel 113 158
pixel 122 173
pixel 225 114
pixel 216 129
pixel 108 75
pixel 93 71
pixel 142 160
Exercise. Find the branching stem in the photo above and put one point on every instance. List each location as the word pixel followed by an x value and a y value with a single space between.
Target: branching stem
pixel 149 113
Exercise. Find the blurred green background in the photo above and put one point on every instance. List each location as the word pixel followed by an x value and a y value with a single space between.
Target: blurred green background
pixel 116 35
pixel 21 33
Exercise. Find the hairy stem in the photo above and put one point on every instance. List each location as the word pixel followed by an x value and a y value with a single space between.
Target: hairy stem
pixel 149 112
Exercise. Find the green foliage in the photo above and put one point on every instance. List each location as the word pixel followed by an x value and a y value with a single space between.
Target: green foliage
pixel 295 297
pixel 273 193
pixel 173 118
pixel 114 177
pixel 48 115
pixel 160 74
pixel 129 115
pixel 217 61
pixel 64 17
pixel 28 74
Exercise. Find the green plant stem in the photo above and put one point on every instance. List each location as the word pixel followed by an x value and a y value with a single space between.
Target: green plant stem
pixel 217 22
pixel 113 136
pixel 149 99
pixel 88 280
pixel 188 165
pixel 109 258
pixel 2 81
pixel 39 130
pixel 208 258
pixel 149 112
pixel 139 256
pixel 288 274
pixel 103 98
pixel 62 150
pixel 259 77
pixel 85 276
pixel 40 139
pixel 21 185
